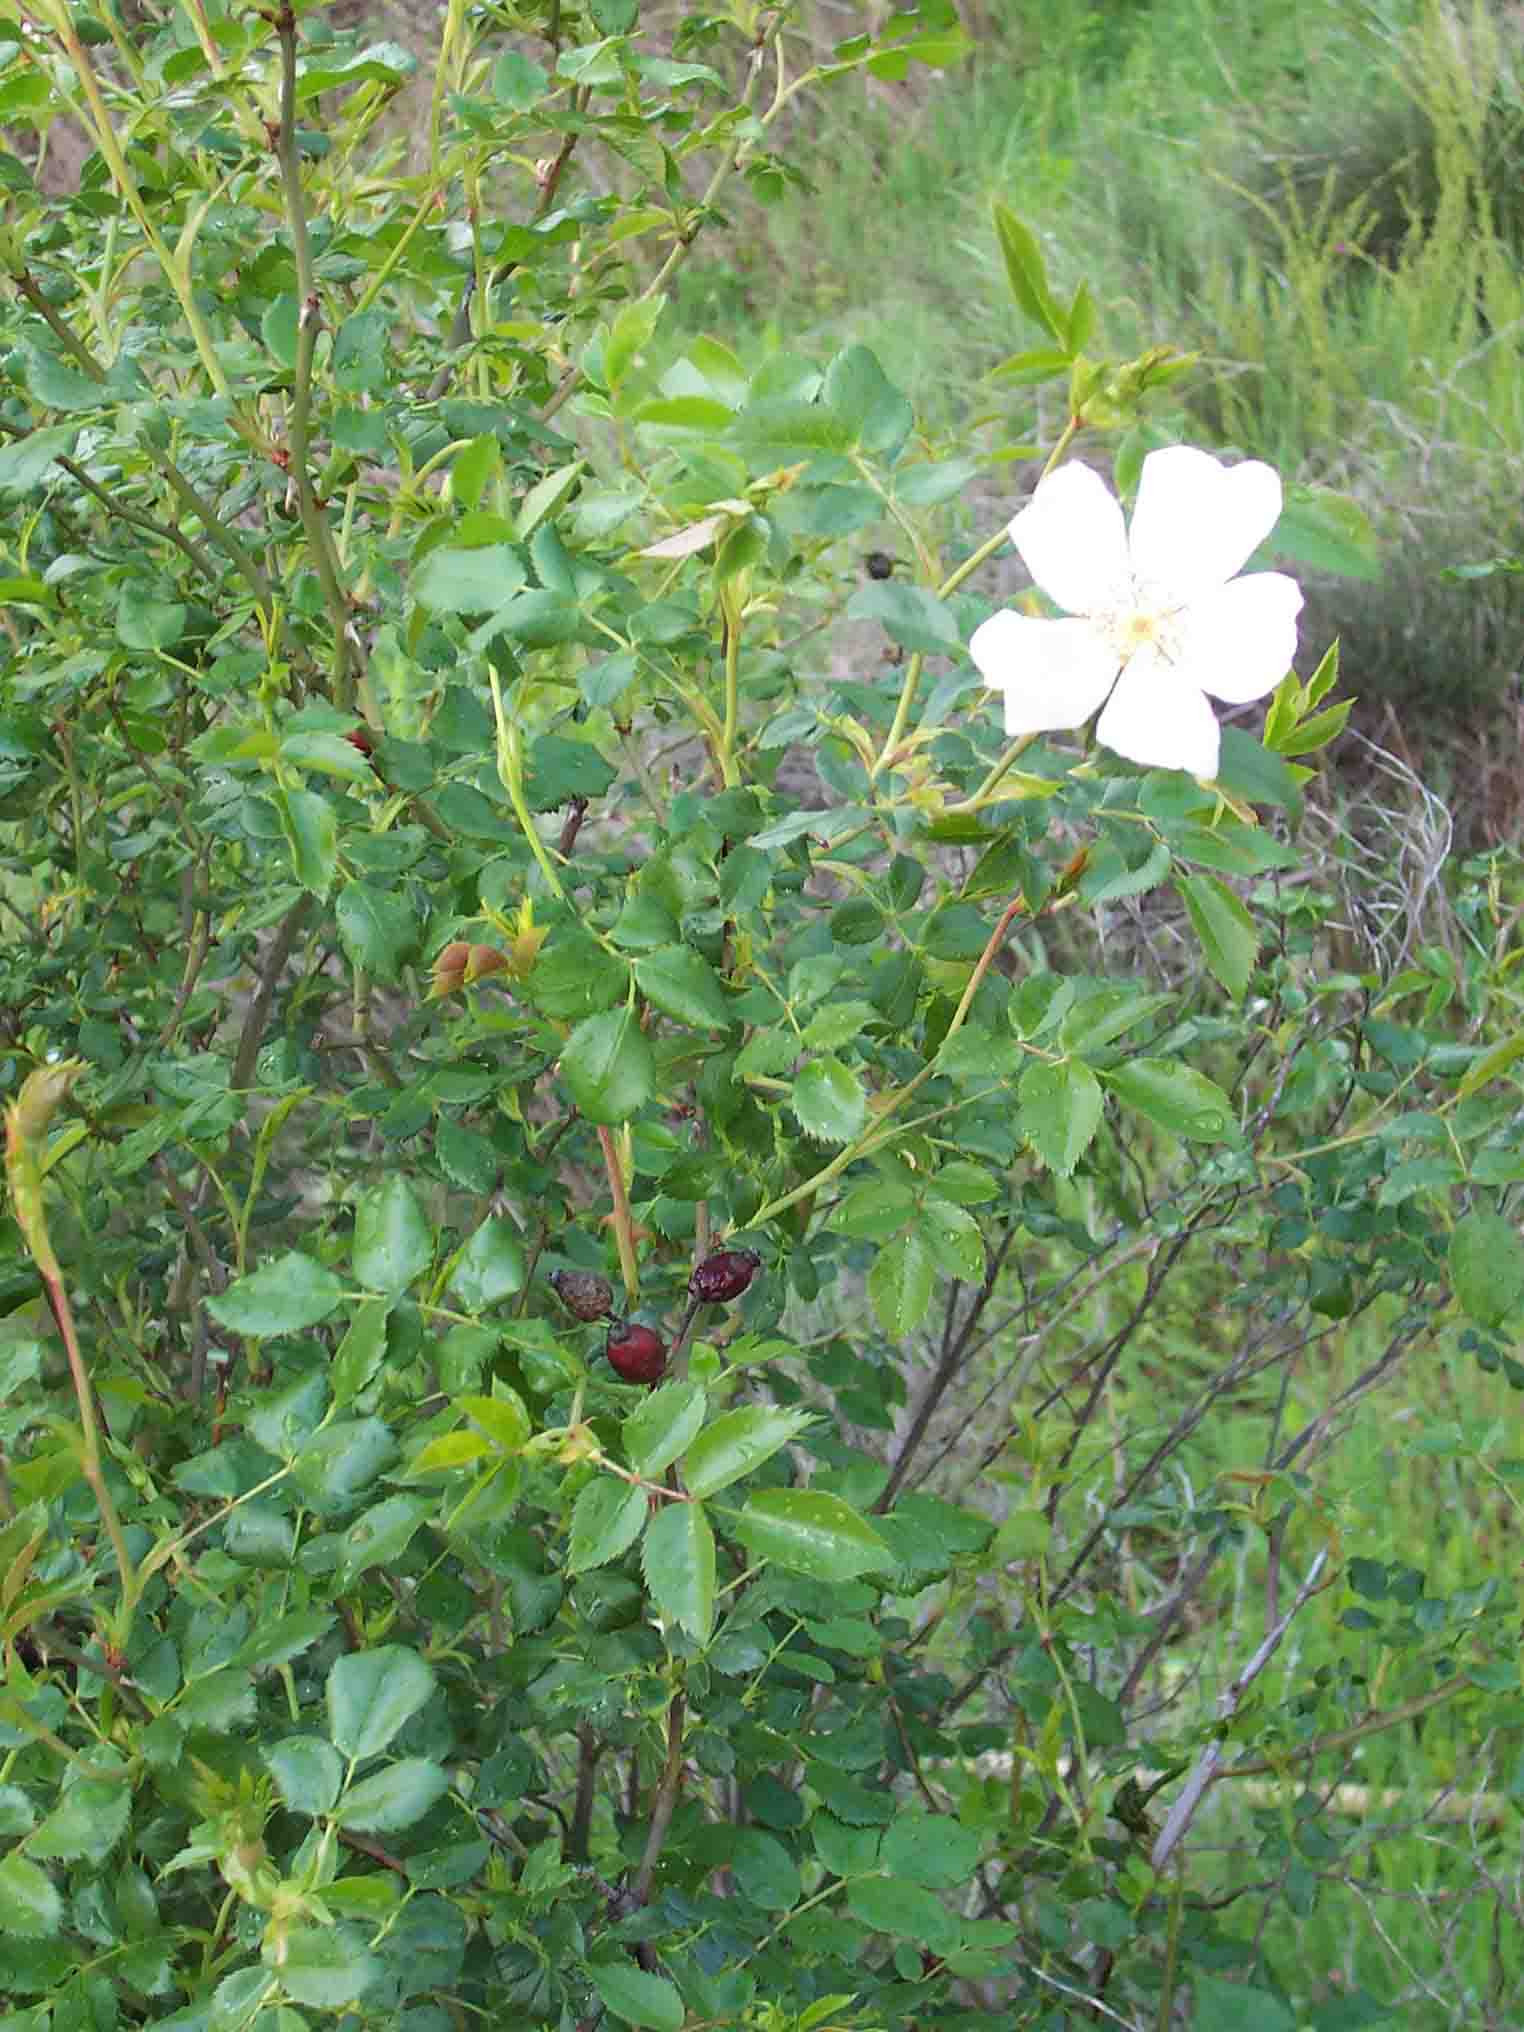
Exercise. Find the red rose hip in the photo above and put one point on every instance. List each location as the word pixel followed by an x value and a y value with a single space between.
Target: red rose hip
pixel 724 1275
pixel 636 1353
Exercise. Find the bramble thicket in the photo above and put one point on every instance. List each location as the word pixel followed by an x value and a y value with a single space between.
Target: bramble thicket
pixel 686 1273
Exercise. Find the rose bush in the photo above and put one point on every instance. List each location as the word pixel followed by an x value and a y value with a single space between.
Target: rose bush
pixel 499 831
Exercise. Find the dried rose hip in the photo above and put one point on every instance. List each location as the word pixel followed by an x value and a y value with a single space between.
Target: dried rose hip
pixel 724 1275
pixel 636 1353
pixel 583 1293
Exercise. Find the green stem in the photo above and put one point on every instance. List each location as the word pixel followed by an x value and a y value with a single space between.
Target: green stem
pixel 727 748
pixel 872 1136
pixel 90 1460
pixel 60 18
pixel 314 522
pixel 624 1227
pixel 949 585
pixel 981 796
pixel 510 770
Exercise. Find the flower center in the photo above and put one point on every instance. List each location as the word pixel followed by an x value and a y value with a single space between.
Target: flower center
pixel 1143 622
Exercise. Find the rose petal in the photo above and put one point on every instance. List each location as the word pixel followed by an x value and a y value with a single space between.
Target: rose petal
pixel 1238 643
pixel 1072 540
pixel 1154 719
pixel 1197 521
pixel 1053 673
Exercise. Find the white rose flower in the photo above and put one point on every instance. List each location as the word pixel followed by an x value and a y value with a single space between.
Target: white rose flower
pixel 1159 618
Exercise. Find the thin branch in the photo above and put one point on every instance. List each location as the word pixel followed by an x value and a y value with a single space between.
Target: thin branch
pixel 666 1800
pixel 1185 1808
pixel 954 1354
pixel 589 1750
pixel 258 1012
pixel 309 321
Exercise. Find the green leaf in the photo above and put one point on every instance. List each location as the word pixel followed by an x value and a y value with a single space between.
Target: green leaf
pixel 926 485
pixel 904 1910
pixel 394 1797
pixel 144 621
pixel 636 1998
pixel 909 615
pixel 361 1352
pixel 1092 1023
pixel 736 1443
pixel 1177 1097
pixel 829 1101
pixel 374 1694
pixel 24 463
pixel 867 401
pixel 764 1870
pixel 518 82
pixel 393 1240
pixel 1060 1111
pixel 360 365
pixel 307 1771
pixel 491 1267
pixel 1027 275
pixel 29 1902
pixel 279 1298
pixel 931 1849
pixel 666 1422
pixel 17 1813
pixel 608 1066
pixel 57 386
pixel 466 1158
pixel 1328 533
pixel 810 1532
pixel 278 1641
pixel 330 754
pixel 606 1521
pixel 557 770
pixel 900 1283
pixel 341 1461
pixel 327 1967
pixel 1224 927
pixel 380 1535
pixel 836 1024
pixel 1491 1065
pixel 1217 2003
pixel 504 1419
pixel 574 976
pixel 469 581
pixel 682 984
pixel 677 1558
pixel 954 1240
pixel 377 929
pixel 1487 1267
pixel 89 1821
pixel 311 827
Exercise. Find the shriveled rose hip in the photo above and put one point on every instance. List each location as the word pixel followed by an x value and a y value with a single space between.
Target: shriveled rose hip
pixel 724 1275
pixel 583 1292
pixel 636 1353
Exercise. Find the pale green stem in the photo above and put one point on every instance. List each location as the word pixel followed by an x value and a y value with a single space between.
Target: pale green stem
pixel 871 1137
